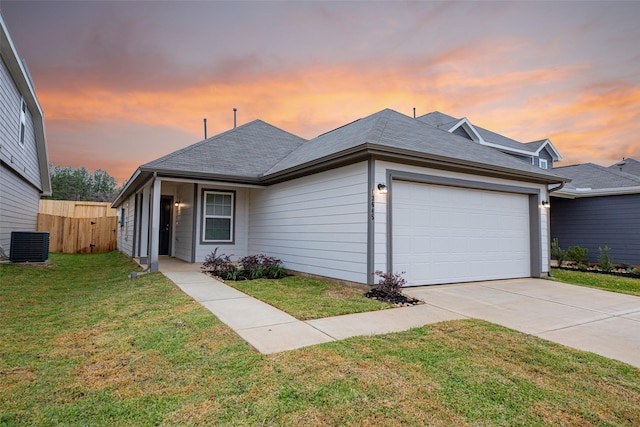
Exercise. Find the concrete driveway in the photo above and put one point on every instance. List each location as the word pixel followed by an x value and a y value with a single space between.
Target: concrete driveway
pixel 588 319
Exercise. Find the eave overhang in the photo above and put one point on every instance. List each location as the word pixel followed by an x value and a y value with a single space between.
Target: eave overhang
pixel 578 194
pixel 22 81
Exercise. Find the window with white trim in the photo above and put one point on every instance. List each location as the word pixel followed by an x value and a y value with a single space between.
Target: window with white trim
pixel 217 217
pixel 23 121
pixel 542 163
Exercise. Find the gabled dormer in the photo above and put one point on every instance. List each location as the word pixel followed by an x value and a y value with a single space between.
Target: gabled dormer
pixel 540 153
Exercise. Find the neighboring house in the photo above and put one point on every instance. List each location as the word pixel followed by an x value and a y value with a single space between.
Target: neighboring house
pixel 628 165
pixel 600 206
pixel 386 192
pixel 24 173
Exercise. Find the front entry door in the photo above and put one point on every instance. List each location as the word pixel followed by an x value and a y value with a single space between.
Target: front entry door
pixel 166 203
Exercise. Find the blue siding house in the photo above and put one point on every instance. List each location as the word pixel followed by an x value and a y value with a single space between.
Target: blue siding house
pixel 600 206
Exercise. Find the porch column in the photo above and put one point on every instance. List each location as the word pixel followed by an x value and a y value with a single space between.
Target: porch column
pixel 144 226
pixel 154 245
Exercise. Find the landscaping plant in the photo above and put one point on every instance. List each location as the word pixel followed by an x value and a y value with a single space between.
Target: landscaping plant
pixel 220 266
pixel 605 259
pixel 389 289
pixel 247 268
pixel 577 254
pixel 557 252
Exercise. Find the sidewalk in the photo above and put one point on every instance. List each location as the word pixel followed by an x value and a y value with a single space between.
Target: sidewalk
pixel 270 330
pixel 601 322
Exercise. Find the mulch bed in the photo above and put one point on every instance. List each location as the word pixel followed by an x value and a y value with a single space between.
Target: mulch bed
pixel 398 301
pixel 616 272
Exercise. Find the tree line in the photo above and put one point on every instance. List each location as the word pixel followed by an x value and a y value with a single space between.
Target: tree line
pixel 69 183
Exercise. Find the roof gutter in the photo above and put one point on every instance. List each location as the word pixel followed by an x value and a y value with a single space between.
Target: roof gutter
pixel 362 152
pixel 575 194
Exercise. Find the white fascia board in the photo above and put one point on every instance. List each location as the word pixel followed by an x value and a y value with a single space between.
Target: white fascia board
pixel 575 194
pixel 125 188
pixel 509 149
pixel 468 127
pixel 547 143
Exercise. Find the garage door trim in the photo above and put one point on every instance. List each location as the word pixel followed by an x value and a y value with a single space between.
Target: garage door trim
pixel 534 211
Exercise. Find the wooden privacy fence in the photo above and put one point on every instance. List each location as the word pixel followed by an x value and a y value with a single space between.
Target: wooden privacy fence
pixel 78 227
pixel 76 209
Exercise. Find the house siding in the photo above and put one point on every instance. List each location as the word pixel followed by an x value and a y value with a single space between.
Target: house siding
pixel 544 154
pixel 22 159
pixel 315 224
pixel 126 227
pixel 20 181
pixel 593 222
pixel 19 205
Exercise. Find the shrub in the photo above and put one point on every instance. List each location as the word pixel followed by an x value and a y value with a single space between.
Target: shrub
pixel 557 252
pixel 605 259
pixel 390 284
pixel 259 266
pixel 220 265
pixel 577 254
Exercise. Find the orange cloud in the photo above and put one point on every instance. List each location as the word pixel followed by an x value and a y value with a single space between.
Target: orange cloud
pixel 590 124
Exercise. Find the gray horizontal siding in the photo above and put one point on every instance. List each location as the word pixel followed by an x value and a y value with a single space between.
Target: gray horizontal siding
pixel 598 221
pixel 23 159
pixel 19 205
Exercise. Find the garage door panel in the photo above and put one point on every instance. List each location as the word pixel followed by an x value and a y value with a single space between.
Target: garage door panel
pixel 449 234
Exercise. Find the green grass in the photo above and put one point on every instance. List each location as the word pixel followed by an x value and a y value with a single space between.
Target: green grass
pixel 80 344
pixel 306 299
pixel 623 285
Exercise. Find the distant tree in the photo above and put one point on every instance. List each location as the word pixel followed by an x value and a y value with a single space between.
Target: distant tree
pixel 68 183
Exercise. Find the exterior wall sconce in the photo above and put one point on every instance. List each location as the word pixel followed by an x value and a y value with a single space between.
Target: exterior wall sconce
pixel 382 188
pixel 545 204
pixel 177 204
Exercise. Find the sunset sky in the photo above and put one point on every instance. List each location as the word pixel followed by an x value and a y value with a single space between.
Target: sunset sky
pixel 122 83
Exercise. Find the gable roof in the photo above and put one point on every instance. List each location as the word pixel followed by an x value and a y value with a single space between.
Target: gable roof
pixel 628 165
pixel 589 180
pixel 489 138
pixel 391 133
pixel 22 80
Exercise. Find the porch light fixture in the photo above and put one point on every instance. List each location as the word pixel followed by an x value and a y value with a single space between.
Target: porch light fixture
pixel 545 204
pixel 382 188
pixel 177 203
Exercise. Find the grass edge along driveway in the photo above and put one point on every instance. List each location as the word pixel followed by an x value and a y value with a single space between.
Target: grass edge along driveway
pixel 80 344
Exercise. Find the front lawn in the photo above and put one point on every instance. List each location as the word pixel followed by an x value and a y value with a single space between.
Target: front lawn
pixel 624 285
pixel 306 298
pixel 81 344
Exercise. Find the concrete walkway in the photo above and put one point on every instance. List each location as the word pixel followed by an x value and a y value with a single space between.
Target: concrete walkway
pixel 598 321
pixel 606 323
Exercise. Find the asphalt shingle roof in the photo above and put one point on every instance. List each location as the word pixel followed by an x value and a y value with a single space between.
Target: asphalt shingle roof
pixel 595 177
pixel 630 166
pixel 444 121
pixel 247 151
pixel 393 130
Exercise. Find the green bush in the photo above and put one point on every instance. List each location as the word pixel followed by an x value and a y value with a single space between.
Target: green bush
pixel 248 268
pixel 604 259
pixel 557 252
pixel 577 254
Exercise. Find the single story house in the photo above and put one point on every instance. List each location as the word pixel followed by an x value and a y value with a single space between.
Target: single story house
pixel 24 166
pixel 386 192
pixel 600 206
